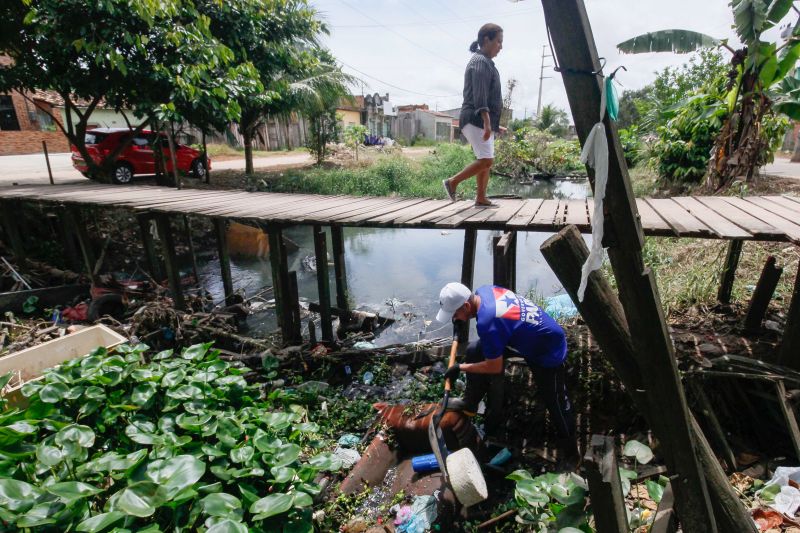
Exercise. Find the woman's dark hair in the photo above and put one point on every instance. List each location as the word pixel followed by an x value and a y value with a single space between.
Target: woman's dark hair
pixel 487 31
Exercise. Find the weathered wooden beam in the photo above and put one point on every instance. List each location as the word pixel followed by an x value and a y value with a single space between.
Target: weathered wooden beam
pixel 729 271
pixel 221 231
pixel 12 212
pixel 283 281
pixel 78 224
pixel 503 259
pixel 294 302
pixel 566 252
pixel 789 354
pixel 605 487
pixel 789 416
pixel 164 227
pixel 323 283
pixel 665 520
pixel 278 269
pixel 467 278
pixel 190 241
pixel 151 256
pixel 68 241
pixel 339 267
pixel 765 288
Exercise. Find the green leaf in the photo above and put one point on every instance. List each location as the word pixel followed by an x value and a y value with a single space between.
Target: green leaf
pixel 165 354
pixel 173 377
pixel 271 505
pixel 53 392
pixel 17 495
pixel 220 504
pixel 197 351
pixel 73 490
pixel 519 475
pixel 530 493
pixel 282 474
pixel 778 9
pixel 192 423
pixel 675 41
pixel 286 455
pixel 307 427
pixel 301 499
pixel 767 494
pixel 243 454
pixel 227 526
pixel 177 473
pixel 40 515
pixel 139 499
pixel 99 522
pixel 185 392
pixel 655 490
pixel 325 461
pixel 142 393
pixel 49 455
pixel 76 433
pixel 641 452
pixel 278 420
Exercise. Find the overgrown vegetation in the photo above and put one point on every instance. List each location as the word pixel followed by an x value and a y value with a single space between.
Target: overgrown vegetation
pixel 173 441
pixel 527 151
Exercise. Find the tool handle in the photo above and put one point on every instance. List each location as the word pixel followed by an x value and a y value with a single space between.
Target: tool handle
pixel 453 350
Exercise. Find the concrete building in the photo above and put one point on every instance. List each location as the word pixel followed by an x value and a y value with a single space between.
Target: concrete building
pixel 419 122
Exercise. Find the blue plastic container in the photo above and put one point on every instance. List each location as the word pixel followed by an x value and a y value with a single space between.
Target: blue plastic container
pixel 424 463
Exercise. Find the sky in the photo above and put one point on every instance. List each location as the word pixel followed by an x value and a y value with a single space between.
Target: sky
pixel 416 50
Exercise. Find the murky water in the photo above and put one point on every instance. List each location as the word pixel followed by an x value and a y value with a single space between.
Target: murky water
pixel 399 272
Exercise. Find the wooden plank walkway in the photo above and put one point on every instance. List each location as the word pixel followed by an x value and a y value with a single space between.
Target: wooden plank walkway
pixel 772 218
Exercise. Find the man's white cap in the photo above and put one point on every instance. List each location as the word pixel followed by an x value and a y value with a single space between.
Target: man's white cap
pixel 452 296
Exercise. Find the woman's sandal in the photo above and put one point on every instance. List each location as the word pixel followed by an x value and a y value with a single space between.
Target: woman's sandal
pixel 487 204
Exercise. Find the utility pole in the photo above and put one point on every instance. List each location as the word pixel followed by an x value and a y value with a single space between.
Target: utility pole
pixel 542 77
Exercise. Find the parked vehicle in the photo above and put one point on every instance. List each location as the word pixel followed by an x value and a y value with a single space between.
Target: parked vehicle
pixel 139 156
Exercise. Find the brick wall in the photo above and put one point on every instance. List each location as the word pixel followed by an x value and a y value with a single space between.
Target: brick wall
pixel 30 142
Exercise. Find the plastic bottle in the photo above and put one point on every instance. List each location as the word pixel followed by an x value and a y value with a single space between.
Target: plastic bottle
pixel 368 378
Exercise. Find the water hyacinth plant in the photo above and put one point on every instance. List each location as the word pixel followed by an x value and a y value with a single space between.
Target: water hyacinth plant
pixel 182 442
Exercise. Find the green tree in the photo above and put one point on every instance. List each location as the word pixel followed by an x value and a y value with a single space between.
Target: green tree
pixel 354 137
pixel 553 120
pixel 144 56
pixel 755 69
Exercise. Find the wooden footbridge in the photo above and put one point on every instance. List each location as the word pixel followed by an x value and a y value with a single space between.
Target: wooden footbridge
pixel 767 218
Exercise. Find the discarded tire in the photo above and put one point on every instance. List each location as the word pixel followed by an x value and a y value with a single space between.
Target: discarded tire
pixel 107 304
pixel 466 477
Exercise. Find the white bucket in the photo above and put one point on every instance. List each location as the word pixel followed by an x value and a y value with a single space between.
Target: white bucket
pixel 466 477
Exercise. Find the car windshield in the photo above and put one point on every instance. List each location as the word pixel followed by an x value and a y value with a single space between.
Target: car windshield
pixel 94 137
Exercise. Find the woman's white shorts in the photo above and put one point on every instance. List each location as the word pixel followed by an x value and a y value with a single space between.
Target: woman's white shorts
pixel 483 149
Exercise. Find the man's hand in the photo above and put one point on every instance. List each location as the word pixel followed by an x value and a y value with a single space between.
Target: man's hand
pixel 452 373
pixel 487 132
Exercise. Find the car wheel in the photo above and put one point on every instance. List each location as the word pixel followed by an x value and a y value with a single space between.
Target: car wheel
pixel 123 173
pixel 198 169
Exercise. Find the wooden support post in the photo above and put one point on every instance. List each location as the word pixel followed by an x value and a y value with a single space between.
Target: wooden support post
pixel 665 520
pixel 467 277
pixel 789 416
pixel 323 283
pixel 502 256
pixel 566 252
pixel 294 302
pixel 789 354
pixel 153 262
pixel 339 268
pixel 765 288
pixel 312 333
pixel 190 241
pixel 707 413
pixel 68 241
pixel 512 262
pixel 602 473
pixel 76 221
pixel 274 238
pixel 221 230
pixel 47 160
pixel 12 212
pixel 729 271
pixel 163 224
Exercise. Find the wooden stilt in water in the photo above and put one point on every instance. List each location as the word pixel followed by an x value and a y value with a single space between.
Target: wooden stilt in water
pixel 294 301
pixel 789 354
pixel 221 231
pixel 12 211
pixel 339 267
pixel 164 227
pixel 77 222
pixel 274 237
pixel 287 300
pixel 323 283
pixel 765 288
pixel 729 271
pixel 190 241
pixel 602 473
pixel 153 262
pixel 467 278
pixel 503 260
pixel 67 235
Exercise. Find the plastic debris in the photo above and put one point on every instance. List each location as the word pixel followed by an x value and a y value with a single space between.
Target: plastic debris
pixel 423 515
pixel 402 513
pixel 369 377
pixel 348 440
pixel 347 456
pixel 501 458
pixel 364 345
pixel 560 306
pixel 787 500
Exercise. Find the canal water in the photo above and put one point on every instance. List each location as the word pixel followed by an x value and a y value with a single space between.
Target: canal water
pixel 398 272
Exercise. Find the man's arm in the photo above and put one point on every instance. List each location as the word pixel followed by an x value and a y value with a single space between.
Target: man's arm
pixel 487 366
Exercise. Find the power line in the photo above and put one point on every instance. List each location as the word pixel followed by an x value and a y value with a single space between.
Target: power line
pixel 426 19
pixel 395 86
pixel 433 22
pixel 402 36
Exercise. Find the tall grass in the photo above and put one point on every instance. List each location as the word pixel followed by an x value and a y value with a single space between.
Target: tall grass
pixel 392 175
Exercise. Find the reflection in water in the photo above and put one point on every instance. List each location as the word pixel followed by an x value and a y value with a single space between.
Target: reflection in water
pixel 398 272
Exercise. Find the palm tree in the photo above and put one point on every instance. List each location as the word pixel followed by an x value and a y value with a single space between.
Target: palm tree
pixel 552 120
pixel 755 70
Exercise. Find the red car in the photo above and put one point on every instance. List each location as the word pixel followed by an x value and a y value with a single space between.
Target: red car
pixel 139 156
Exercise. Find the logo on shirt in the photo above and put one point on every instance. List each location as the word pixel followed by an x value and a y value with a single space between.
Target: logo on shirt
pixel 512 307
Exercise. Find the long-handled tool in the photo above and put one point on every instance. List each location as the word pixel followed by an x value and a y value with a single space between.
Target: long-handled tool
pixel 460 470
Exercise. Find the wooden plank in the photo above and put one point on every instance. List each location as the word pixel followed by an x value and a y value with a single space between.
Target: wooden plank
pixel 345 208
pixel 789 416
pixel 789 354
pixel 651 220
pixel 220 228
pixel 523 217
pixel 679 219
pixel 323 283
pixel 434 210
pixel 340 267
pixel 729 271
pixel 366 217
pixel 168 248
pixel 789 213
pixel 507 210
pixel 791 198
pixel 545 216
pixel 765 288
pixel 719 225
pixel 789 229
pixel 458 217
pixel 602 474
pixel 577 213
pixel 741 218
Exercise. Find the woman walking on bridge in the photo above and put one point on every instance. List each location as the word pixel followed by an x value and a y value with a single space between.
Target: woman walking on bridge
pixel 480 112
